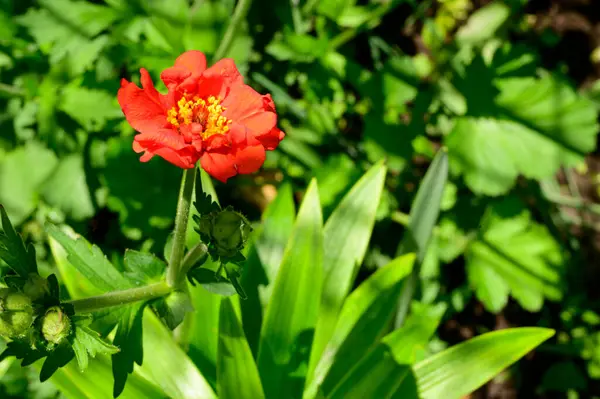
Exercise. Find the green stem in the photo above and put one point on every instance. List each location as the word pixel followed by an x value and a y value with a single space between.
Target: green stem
pixel 241 9
pixel 118 298
pixel 194 255
pixel 174 275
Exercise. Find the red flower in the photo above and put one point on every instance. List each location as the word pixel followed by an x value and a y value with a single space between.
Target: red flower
pixel 208 115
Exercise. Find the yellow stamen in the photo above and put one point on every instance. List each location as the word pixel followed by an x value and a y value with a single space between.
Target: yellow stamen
pixel 206 112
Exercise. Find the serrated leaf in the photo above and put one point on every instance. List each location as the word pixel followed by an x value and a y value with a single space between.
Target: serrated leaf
pixel 13 251
pixel 91 108
pixel 22 173
pixel 89 260
pixel 517 255
pixel 88 342
pixel 67 188
pixel 206 201
pixel 68 30
pixel 128 337
pixel 346 235
pixel 460 370
pixel 293 308
pixel 143 268
pixel 533 127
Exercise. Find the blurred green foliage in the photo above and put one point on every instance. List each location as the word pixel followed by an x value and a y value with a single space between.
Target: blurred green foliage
pixel 354 82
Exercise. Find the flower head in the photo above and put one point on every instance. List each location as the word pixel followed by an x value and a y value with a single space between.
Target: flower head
pixel 208 114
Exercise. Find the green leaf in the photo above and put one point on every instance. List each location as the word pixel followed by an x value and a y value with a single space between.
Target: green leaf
pixel 89 260
pixel 22 173
pixel 346 235
pixel 211 282
pixel 88 342
pixel 460 370
pixel 67 189
pixel 168 366
pixel 13 251
pixel 144 194
pixel 91 108
pixel 381 372
pixel 128 337
pixel 294 305
pixel 143 268
pixel 203 331
pixel 365 315
pixel 237 374
pixel 483 24
pixel 67 30
pixel 423 217
pixel 514 254
pixel 95 382
pixel 533 128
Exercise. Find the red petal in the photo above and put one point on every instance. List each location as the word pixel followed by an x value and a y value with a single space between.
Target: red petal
pixel 220 166
pixel 250 159
pixel 182 159
pixel 271 140
pixel 142 107
pixel 162 138
pixel 242 101
pixel 193 60
pixel 219 79
pixel 260 123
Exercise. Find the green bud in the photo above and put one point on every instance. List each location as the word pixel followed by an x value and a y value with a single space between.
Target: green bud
pixel 16 313
pixel 36 287
pixel 56 325
pixel 230 232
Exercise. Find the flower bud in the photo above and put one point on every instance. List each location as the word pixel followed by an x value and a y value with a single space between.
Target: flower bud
pixel 16 313
pixel 230 232
pixel 36 287
pixel 56 325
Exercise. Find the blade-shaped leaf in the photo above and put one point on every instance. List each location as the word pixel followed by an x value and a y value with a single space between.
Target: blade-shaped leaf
pixel 292 311
pixel 264 259
pixel 168 366
pixel 423 216
pixel 95 383
pixel 237 374
pixel 346 237
pixel 460 370
pixel 380 373
pixel 89 260
pixel 365 315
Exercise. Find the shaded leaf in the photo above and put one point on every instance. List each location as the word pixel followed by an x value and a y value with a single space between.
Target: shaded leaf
pixel 13 251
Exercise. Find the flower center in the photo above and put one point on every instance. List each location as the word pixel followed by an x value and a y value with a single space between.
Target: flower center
pixel 208 113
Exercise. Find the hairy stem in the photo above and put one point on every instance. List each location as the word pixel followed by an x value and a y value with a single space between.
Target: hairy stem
pixel 194 255
pixel 241 9
pixel 174 275
pixel 118 298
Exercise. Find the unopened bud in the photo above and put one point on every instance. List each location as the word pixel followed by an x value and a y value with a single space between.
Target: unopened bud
pixel 56 325
pixel 16 313
pixel 230 232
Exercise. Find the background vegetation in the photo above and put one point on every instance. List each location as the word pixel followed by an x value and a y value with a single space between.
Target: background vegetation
pixel 510 88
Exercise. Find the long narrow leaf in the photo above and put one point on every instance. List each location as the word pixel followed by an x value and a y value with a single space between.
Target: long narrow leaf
pixel 291 315
pixel 264 259
pixel 346 237
pixel 460 370
pixel 236 370
pixel 380 373
pixel 96 382
pixel 364 317
pixel 423 216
